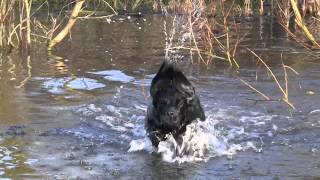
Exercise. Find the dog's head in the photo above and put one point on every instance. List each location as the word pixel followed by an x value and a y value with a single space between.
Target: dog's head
pixel 174 98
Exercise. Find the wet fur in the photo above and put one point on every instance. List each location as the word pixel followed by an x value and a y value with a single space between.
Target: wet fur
pixel 174 104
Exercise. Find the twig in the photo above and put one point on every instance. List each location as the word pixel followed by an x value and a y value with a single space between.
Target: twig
pixel 254 89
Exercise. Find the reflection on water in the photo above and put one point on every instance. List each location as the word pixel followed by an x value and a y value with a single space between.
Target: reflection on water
pixel 73 113
pixel 14 162
pixel 14 73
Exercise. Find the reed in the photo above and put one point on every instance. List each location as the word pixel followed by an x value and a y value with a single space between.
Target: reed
pixel 284 90
pixel 247 7
pixel 15 29
pixel 300 22
pixel 6 23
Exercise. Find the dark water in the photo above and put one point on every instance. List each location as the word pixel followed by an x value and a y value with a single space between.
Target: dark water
pixel 73 113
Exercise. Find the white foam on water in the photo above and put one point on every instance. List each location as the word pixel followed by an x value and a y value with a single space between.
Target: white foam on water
pixel 315 111
pixel 203 140
pixel 141 144
pixel 88 110
pixel 200 142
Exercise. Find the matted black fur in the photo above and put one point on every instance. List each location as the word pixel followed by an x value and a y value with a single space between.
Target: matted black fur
pixel 174 104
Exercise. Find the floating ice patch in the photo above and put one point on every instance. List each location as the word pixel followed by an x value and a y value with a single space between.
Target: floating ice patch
pixel 58 85
pixel 114 75
pixel 55 85
pixel 85 84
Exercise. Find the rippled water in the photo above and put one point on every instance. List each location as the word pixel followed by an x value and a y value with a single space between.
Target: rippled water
pixel 79 112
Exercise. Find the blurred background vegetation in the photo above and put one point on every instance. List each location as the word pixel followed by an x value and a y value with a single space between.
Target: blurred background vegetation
pixel 22 21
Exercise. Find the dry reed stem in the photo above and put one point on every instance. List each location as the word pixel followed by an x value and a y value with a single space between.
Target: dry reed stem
pixel 254 89
pixel 300 22
pixel 227 49
pixel 286 96
pixel 6 11
pixel 284 91
pixel 14 32
pixel 290 68
pixel 300 42
pixel 261 10
pixel 27 5
pixel 115 12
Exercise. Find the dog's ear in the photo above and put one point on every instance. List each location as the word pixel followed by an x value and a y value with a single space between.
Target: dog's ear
pixel 160 79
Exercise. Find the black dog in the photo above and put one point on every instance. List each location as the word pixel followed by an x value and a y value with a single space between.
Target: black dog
pixel 174 104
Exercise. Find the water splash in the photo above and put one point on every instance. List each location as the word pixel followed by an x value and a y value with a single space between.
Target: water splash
pixel 177 36
pixel 201 141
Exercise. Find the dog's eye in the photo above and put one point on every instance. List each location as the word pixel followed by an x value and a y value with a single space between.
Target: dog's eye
pixel 179 103
pixel 163 102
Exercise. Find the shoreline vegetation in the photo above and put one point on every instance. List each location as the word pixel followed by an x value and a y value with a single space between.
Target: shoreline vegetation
pixel 22 24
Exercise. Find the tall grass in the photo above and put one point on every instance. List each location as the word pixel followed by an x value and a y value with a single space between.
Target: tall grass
pixel 6 23
pixel 16 25
pixel 15 28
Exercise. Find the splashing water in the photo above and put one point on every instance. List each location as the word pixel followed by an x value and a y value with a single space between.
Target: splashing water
pixel 177 36
pixel 199 139
pixel 200 142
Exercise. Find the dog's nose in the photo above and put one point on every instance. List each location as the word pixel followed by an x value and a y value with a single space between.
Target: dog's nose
pixel 171 114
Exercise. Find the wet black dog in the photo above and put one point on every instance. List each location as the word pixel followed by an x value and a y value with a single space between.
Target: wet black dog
pixel 174 104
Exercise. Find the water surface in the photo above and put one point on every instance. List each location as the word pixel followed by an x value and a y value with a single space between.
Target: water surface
pixel 73 113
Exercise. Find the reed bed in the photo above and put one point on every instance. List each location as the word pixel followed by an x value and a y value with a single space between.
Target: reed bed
pixel 17 30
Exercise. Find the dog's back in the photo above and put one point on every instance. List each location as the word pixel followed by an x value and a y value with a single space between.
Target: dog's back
pixel 174 104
